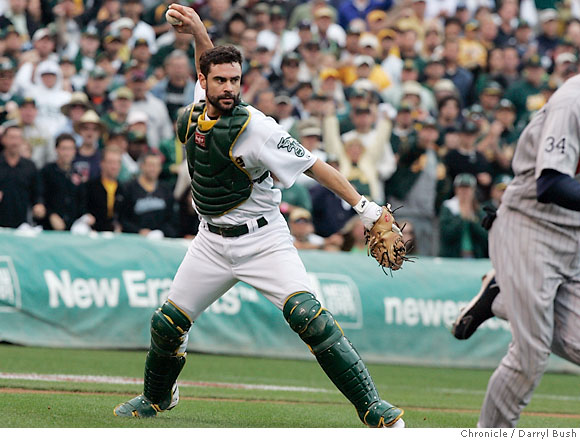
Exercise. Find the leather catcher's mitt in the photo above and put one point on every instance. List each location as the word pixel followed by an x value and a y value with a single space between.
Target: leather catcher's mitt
pixel 385 242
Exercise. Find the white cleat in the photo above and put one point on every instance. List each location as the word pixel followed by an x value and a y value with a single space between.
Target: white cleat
pixel 398 424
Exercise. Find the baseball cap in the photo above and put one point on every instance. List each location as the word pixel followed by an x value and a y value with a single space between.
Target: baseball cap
pixel 98 73
pixel 141 42
pixel 300 214
pixel 368 40
pixel 25 100
pixel 444 85
pixel 492 88
pixel 566 57
pixel 502 181
pixel 534 61
pixel 329 72
pixel 309 127
pixel 362 108
pixel 324 11
pixel 376 15
pixel 122 93
pixel 136 117
pixel 356 27
pixel 506 104
pixel 469 127
pixel 6 64
pixel 137 136
pixel 409 64
pixel 428 122
pixel 359 60
pixel 547 15
pixel 283 99
pixel 77 98
pixel 412 88
pixel 261 8
pixel 41 33
pixel 386 33
pixel 465 179
pixel 290 57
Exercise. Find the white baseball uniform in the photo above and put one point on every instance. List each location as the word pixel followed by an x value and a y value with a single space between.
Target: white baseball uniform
pixel 264 258
pixel 535 249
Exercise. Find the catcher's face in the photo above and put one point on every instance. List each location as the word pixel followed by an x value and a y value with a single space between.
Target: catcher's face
pixel 222 87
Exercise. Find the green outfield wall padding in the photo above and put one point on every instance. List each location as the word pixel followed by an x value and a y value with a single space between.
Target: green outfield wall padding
pixel 99 291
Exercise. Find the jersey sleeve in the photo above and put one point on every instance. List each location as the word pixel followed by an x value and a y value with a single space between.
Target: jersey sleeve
pixel 283 155
pixel 558 147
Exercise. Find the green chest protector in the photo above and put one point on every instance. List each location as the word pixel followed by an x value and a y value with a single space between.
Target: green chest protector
pixel 219 184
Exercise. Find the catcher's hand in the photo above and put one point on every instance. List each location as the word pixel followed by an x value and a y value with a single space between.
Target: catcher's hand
pixel 385 241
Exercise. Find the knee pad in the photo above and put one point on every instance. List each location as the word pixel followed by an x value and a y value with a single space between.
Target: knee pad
pixel 314 325
pixel 169 327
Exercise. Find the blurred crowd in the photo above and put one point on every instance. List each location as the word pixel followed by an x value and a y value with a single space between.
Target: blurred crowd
pixel 418 103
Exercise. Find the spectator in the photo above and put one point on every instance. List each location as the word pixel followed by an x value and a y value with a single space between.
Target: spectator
pixel 498 187
pixel 416 183
pixel 173 152
pixel 466 158
pixel 141 56
pixel 16 14
pixel 302 230
pixel 176 88
pixel 188 219
pixel 73 111
pixel 461 77
pixel 148 206
pixel 329 213
pixel 352 9
pixel 373 128
pixel 548 38
pixel 43 50
pixel 288 82
pixel 64 194
pixel 96 90
pixel 489 99
pixel 462 235
pixel 87 54
pixel 182 42
pixel 49 95
pixel 354 237
pixel 36 134
pixel 499 143
pixel 88 158
pixel 133 9
pixel 159 125
pixel 7 94
pixel 284 111
pixel 522 92
pixel 105 193
pixel 20 196
pixel 137 146
pixel 116 120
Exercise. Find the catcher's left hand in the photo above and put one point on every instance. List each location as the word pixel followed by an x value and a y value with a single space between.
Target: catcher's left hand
pixel 385 241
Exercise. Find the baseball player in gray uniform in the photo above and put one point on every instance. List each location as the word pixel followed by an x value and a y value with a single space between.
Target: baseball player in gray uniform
pixel 231 150
pixel 534 246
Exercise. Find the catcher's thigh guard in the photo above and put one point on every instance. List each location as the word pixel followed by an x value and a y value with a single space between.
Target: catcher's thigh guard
pixel 338 358
pixel 169 327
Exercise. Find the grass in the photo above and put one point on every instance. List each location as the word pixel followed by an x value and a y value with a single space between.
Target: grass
pixel 431 397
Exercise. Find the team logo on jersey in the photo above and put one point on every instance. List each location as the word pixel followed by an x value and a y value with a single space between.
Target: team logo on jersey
pixel 291 144
pixel 9 285
pixel 200 139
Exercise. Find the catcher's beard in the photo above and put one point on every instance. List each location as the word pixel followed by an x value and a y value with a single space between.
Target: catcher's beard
pixel 223 109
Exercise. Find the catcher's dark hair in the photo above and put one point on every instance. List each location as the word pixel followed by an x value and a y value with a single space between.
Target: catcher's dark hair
pixel 64 137
pixel 219 55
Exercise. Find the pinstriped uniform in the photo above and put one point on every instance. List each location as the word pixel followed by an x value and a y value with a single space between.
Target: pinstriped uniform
pixel 535 249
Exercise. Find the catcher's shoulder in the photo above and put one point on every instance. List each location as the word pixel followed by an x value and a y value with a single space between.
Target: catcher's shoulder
pixel 185 117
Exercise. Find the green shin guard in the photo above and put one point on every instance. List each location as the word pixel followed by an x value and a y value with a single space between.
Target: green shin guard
pixel 339 359
pixel 169 327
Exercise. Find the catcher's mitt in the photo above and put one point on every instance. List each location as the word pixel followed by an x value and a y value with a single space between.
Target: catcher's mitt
pixel 385 242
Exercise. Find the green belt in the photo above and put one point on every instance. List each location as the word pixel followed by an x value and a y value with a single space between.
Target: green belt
pixel 235 231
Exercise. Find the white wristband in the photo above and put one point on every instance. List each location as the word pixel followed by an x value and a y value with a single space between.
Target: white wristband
pixel 369 212
pixel 361 205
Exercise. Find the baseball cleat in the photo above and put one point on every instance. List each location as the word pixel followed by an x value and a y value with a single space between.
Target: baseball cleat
pixel 478 310
pixel 142 407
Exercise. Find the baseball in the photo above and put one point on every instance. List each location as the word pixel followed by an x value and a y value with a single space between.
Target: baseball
pixel 172 20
